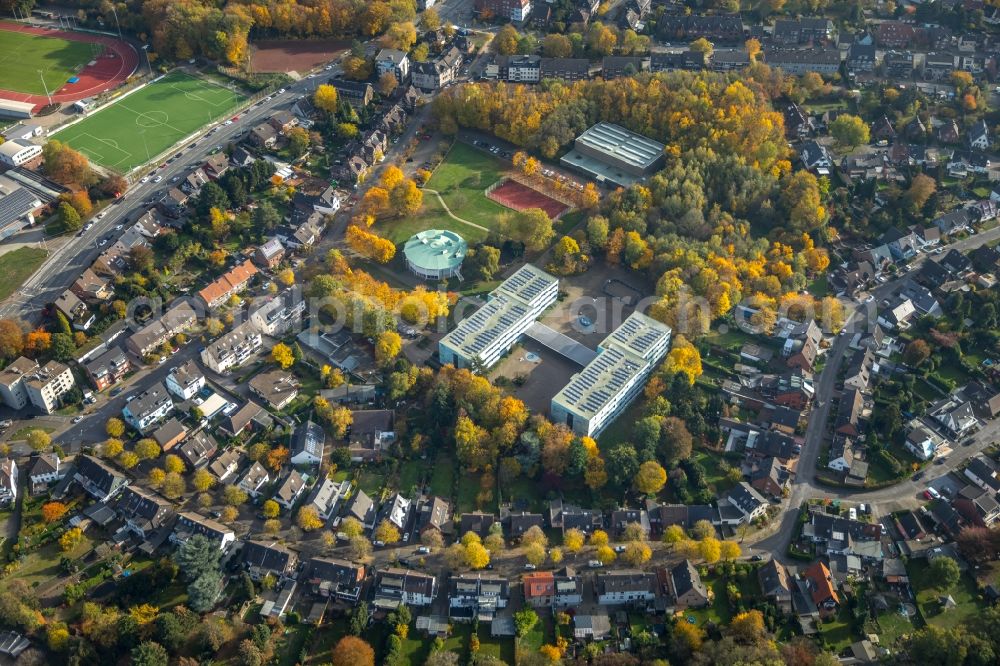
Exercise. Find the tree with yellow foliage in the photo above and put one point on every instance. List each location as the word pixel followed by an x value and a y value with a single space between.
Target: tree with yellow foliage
pixel 476 556
pixel 710 549
pixel 407 198
pixel 286 277
pixel 282 355
pixel 325 98
pixel 637 552
pixel 375 201
pixel 392 177
pixel 387 347
pixel 748 627
pixel 598 538
pixel 386 532
pixel 573 540
pixel 308 519
pixel 605 555
pixel 369 245
pixel 729 550
pixel 683 358
pixel 70 539
pixel 650 478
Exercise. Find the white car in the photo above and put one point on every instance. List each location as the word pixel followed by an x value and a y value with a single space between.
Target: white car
pixel 595 564
pixel 100 216
pixel 328 67
pixel 281 91
pixel 228 122
pixel 119 227
pixel 158 179
pixel 144 179
pixel 530 567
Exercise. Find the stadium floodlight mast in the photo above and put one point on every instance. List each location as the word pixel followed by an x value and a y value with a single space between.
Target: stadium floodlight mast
pixel 145 51
pixel 117 25
pixel 47 94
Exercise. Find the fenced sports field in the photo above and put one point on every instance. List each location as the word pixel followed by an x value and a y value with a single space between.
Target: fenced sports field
pixel 135 129
pixel 518 196
pixel 27 58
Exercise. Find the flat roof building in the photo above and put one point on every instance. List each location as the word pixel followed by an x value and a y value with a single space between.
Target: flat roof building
pixel 435 254
pixel 596 395
pixel 493 329
pixel 610 153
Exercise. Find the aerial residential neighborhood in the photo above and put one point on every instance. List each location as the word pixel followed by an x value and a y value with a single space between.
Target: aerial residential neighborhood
pixel 497 332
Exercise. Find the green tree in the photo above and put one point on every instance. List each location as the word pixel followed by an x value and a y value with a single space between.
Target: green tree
pixel 524 620
pixel 849 130
pixel 944 572
pixel 149 653
pixel 69 218
pixel 198 556
pixel 204 590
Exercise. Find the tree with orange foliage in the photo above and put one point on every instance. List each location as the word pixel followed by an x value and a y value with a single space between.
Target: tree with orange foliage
pixel 275 458
pixel 353 651
pixel 37 341
pixel 375 201
pixel 53 511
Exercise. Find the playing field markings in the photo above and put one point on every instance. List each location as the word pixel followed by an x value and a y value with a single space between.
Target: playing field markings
pixel 107 142
pixel 143 113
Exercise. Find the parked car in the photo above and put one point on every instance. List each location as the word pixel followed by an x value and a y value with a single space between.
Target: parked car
pixel 932 494
pixel 595 564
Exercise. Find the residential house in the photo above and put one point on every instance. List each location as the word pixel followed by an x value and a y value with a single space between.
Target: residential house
pixel 898 316
pixel 436 74
pixel 858 375
pixel 24 383
pixel 232 349
pixel 519 523
pixel 977 506
pixel 283 120
pixel 476 596
pixel 540 589
pixel 47 468
pixel 234 281
pixel 394 587
pixel 253 481
pixel 625 587
pixel 269 254
pixel 148 408
pixel 982 471
pixel 861 58
pixel 397 511
pixel 750 503
pixel 170 434
pixel 277 388
pixel 769 477
pixel 956 417
pixel 357 94
pixel 434 513
pixel 721 28
pixel 249 416
pixel 477 522
pixel 199 448
pixel 264 136
pixel 686 588
pixel 841 455
pixel 567 516
pixel 922 299
pixel 8 481
pixel 328 202
pixel 108 369
pixel 898 64
pixel 774 584
pixel 328 495
pixel 371 432
pixel 821 587
pixel 824 61
pixel 395 61
pixel 362 509
pixel 956 263
pixel 816 158
pixel 615 67
pixel 216 165
pixel 596 626
pixel 76 311
pixel 804 31
pixel 145 514
pixel 335 578
pixel 516 11
pixel 921 443
pixel 98 479
pixel 224 466
pixel 150 337
pixel 92 287
pixel 979 135
pixel 185 381
pixel 567 69
pixel 261 559
pixel 849 413
pixel 279 315
pixel 190 524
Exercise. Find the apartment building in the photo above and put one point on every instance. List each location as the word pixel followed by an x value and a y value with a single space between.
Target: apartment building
pixel 233 348
pixel 24 383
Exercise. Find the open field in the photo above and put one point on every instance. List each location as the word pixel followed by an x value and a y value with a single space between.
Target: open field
pixel 23 55
pixel 135 129
pixel 295 55
pixel 17 266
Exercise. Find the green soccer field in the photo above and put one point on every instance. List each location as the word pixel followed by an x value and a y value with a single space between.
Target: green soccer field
pixel 22 56
pixel 137 128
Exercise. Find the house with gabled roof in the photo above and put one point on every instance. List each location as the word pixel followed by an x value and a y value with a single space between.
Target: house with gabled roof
pixel 290 490
pixel 98 479
pixel 261 559
pixel 774 584
pixel 254 480
pixel 331 577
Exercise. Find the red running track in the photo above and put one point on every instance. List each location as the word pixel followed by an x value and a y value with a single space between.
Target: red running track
pixel 111 69
pixel 513 194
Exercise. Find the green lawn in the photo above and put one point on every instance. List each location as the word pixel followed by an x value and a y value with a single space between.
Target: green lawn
pixel 966 597
pixel 443 477
pixel 718 611
pixel 22 433
pixel 714 475
pixel 461 179
pixel 22 55
pixel 18 265
pixel 137 128
pixel 410 474
pixel 837 631
pixel 432 216
pixel 40 565
pixel 893 626
pixel 370 481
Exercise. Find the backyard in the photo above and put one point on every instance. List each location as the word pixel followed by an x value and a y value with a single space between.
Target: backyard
pixel 967 601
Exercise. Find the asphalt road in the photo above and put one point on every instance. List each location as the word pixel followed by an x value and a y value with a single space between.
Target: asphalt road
pixel 905 494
